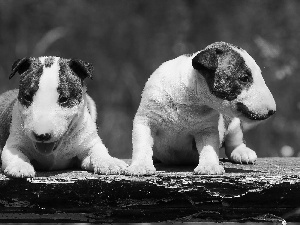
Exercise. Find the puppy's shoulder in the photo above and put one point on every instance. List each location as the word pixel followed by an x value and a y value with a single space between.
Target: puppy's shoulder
pixel 168 74
pixel 7 100
pixel 174 66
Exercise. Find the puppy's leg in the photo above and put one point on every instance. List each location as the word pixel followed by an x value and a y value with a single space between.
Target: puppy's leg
pixel 235 148
pixel 15 163
pixel 99 161
pixel 207 144
pixel 142 143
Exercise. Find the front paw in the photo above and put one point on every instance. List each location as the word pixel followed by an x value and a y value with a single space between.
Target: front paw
pixel 209 169
pixel 108 165
pixel 243 154
pixel 19 169
pixel 140 169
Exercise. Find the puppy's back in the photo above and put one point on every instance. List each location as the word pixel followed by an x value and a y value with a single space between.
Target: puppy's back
pixel 7 101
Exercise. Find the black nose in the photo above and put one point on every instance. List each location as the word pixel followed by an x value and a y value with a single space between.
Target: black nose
pixel 271 112
pixel 253 115
pixel 42 137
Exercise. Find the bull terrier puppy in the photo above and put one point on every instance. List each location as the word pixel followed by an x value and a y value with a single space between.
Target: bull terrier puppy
pixel 49 123
pixel 194 104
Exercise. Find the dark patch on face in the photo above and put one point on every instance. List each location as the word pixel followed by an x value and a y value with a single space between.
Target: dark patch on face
pixel 81 68
pixel 29 82
pixel 69 87
pixel 49 61
pixel 224 70
pixel 20 66
pixel 252 115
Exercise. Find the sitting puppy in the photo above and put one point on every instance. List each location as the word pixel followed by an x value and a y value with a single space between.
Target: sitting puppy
pixel 193 104
pixel 49 123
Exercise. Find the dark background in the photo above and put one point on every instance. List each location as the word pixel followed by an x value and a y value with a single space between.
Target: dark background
pixel 126 40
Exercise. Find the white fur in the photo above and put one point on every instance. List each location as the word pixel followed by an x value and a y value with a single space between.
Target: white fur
pixel 235 149
pixel 157 122
pixel 177 106
pixel 74 133
pixel 45 115
pixel 45 101
pixel 221 128
pixel 258 97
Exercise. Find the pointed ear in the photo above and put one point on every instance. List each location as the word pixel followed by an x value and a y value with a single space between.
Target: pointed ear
pixel 81 68
pixel 206 60
pixel 20 66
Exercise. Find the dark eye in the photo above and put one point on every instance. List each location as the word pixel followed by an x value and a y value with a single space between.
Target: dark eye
pixel 27 97
pixel 245 78
pixel 219 51
pixel 63 100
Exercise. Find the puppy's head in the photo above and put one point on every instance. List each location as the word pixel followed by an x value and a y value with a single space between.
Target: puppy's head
pixel 235 82
pixel 51 92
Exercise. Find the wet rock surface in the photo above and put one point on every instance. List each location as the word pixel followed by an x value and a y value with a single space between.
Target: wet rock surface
pixel 268 191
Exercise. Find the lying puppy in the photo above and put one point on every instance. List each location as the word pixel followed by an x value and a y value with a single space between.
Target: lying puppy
pixel 49 123
pixel 193 104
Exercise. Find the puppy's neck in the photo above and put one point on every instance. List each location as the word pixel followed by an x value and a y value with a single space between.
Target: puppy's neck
pixel 192 86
